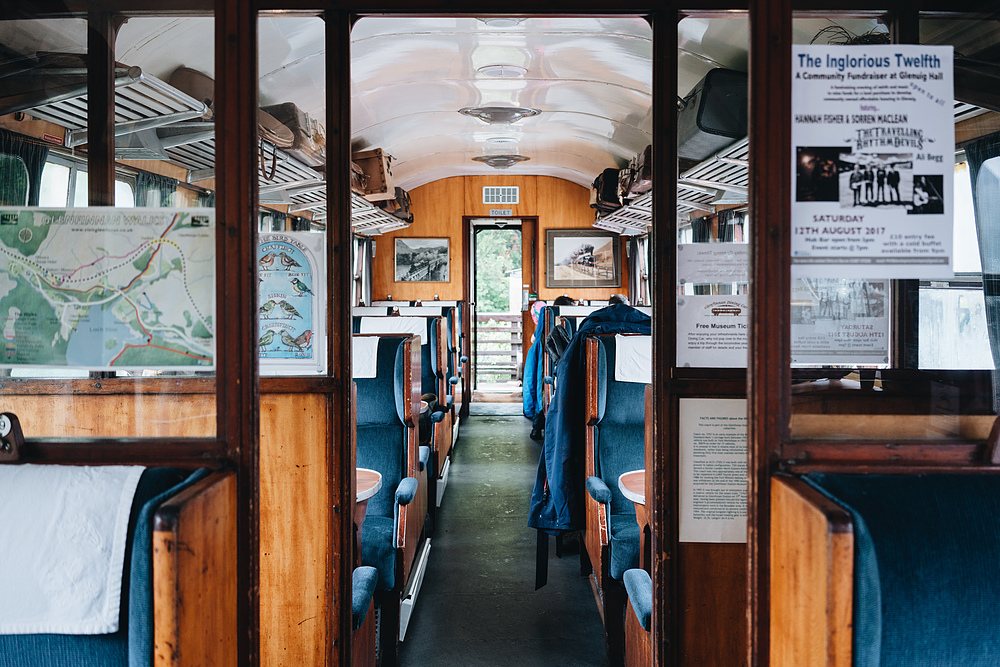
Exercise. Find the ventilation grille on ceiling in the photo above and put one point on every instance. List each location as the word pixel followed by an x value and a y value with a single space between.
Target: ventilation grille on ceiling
pixel 501 194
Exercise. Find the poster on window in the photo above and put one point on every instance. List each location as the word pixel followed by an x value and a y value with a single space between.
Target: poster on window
pixel 873 142
pixel 840 322
pixel 712 262
pixel 291 295
pixel 712 331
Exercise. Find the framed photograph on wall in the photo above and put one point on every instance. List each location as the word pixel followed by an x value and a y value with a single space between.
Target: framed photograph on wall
pixel 582 258
pixel 421 260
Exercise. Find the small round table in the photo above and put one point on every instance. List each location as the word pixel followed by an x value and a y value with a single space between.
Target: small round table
pixel 368 482
pixel 633 486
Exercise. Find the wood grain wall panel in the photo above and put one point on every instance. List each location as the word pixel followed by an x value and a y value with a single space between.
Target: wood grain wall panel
pixel 114 415
pixel 194 576
pixel 713 603
pixel 812 569
pixel 566 205
pixel 437 212
pixel 438 209
pixel 293 530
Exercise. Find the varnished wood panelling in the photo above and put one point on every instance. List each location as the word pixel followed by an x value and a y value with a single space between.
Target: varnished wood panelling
pixel 161 167
pixel 437 213
pixel 903 427
pixel 115 415
pixel 194 576
pixel 811 565
pixel 293 531
pixel 34 128
pixel 713 603
pixel 566 205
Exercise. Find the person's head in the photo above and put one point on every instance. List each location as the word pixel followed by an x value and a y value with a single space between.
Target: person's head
pixel 564 300
pixel 616 299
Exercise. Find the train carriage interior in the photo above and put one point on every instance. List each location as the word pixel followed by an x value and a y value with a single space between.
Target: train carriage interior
pixel 385 334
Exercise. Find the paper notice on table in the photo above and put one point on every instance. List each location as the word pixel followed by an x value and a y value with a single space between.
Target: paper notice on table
pixel 713 475
pixel 873 150
pixel 712 331
pixel 705 263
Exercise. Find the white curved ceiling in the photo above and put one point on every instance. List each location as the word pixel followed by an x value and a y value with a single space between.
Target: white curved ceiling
pixel 590 78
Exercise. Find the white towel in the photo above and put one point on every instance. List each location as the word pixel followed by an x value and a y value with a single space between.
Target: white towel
pixel 421 311
pixel 634 359
pixel 416 326
pixel 364 350
pixel 62 547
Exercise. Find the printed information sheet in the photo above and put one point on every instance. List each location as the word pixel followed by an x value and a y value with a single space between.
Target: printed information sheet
pixel 873 143
pixel 290 323
pixel 841 322
pixel 712 262
pixel 713 476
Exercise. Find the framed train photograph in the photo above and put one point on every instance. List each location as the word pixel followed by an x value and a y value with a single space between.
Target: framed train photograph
pixel 422 260
pixel 582 258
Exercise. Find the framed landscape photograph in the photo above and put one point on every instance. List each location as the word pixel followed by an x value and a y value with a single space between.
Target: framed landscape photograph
pixel 582 258
pixel 421 260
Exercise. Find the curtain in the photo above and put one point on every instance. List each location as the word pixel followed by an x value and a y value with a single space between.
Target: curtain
pixel 32 153
pixel 984 169
pixel 154 190
pixel 701 230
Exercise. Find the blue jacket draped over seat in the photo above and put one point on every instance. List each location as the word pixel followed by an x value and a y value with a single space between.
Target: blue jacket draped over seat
pixel 531 398
pixel 557 499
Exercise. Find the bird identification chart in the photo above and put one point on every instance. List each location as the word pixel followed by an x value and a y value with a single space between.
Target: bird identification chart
pixel 873 137
pixel 290 321
pixel 108 289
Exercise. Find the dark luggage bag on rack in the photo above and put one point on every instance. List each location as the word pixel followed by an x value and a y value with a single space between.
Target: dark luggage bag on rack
pixel 714 115
pixel 605 196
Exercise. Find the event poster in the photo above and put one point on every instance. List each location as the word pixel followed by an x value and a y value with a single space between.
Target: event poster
pixel 712 331
pixel 873 141
pixel 712 263
pixel 290 320
pixel 840 322
pixel 713 470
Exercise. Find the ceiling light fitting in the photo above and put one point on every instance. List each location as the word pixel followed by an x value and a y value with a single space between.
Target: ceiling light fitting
pixel 500 161
pixel 501 21
pixel 502 71
pixel 499 115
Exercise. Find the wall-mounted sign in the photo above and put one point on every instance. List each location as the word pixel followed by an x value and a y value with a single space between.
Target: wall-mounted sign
pixel 873 145
pixel 501 212
pixel 108 289
pixel 712 331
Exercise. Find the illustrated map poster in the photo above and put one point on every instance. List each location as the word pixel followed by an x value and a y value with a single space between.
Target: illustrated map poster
pixel 713 470
pixel 842 322
pixel 108 289
pixel 873 138
pixel 290 325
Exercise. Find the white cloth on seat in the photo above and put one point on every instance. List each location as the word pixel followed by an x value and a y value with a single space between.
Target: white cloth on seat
pixel 634 358
pixel 364 353
pixel 63 531
pixel 578 311
pixel 361 311
pixel 416 326
pixel 421 311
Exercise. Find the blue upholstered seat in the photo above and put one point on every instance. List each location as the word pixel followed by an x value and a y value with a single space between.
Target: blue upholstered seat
pixel 619 447
pixel 925 550
pixel 382 441
pixel 132 645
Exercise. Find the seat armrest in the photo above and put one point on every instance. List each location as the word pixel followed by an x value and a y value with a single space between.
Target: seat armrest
pixel 437 416
pixel 547 379
pixel 464 359
pixel 363 588
pixel 449 400
pixel 639 587
pixel 406 490
pixel 453 380
pixel 425 456
pixel 598 490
